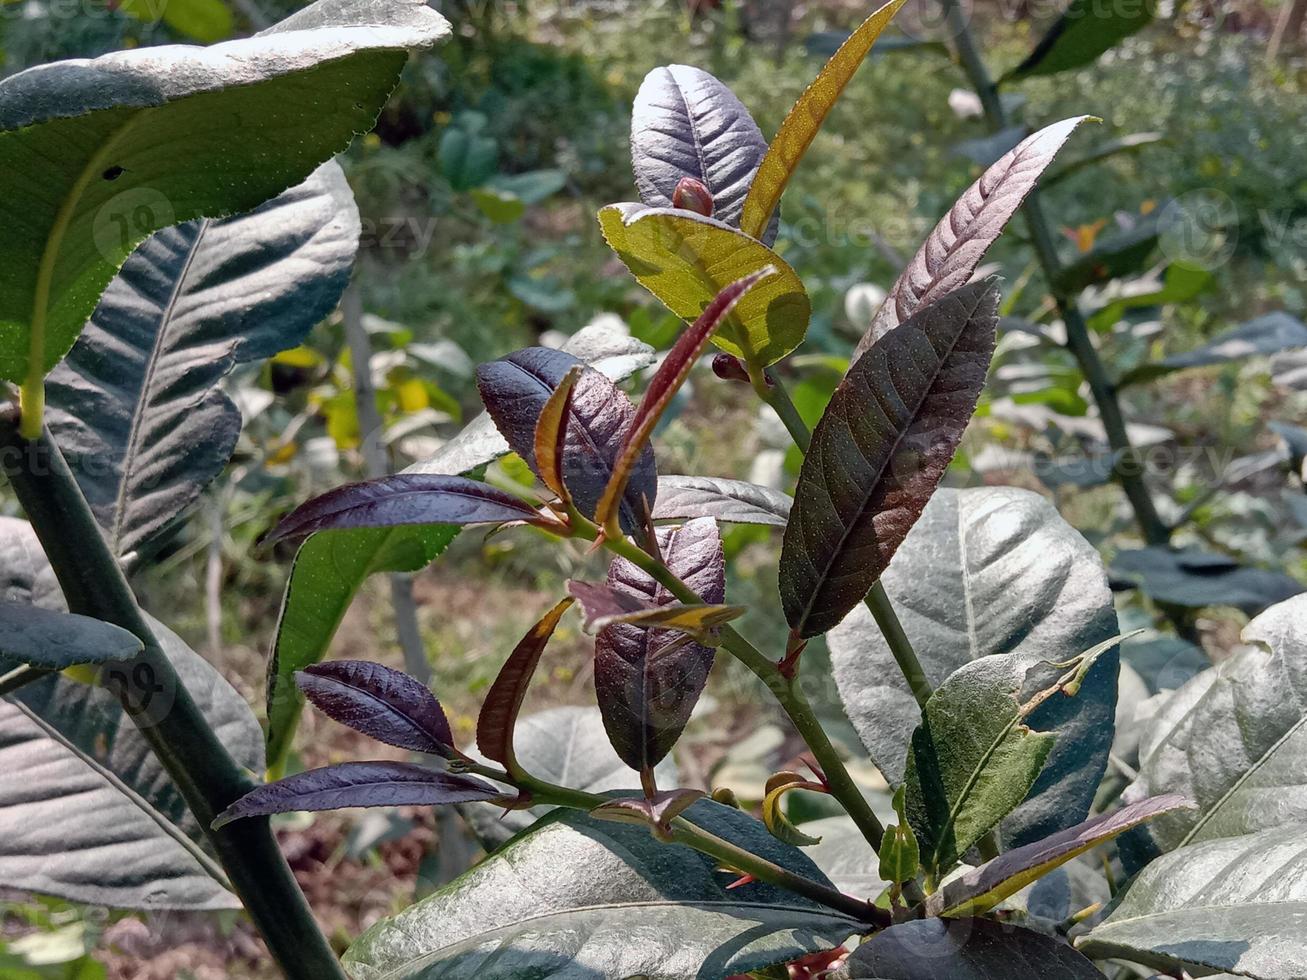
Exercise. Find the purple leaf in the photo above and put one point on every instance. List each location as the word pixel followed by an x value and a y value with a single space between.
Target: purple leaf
pixel 649 680
pixel 949 257
pixel 404 499
pixel 358 784
pixel 382 703
pixel 879 452
pixel 657 812
pixel 515 389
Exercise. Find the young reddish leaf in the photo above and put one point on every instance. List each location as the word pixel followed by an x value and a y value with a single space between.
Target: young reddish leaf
pixel 880 451
pixel 693 195
pixel 657 812
pixel 649 680
pixel 981 889
pixel 804 121
pixel 663 387
pixel 551 430
pixel 500 709
pixel 358 784
pixel 405 499
pixel 515 390
pixel 380 702
pixel 950 255
pixel 606 607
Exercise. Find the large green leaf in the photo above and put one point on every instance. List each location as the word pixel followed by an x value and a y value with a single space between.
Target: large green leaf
pixel 1085 30
pixel 991 571
pixel 1234 738
pixel 86 810
pixel 136 405
pixel 686 260
pixel 973 758
pixel 966 949
pixel 1237 905
pixel 581 897
pixel 99 154
pixel 804 121
pixel 331 566
pixel 879 452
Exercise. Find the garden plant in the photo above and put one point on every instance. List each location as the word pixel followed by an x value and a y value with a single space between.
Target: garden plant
pixel 174 212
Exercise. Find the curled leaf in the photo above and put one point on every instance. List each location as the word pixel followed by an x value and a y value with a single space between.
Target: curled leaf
pixel 773 811
pixel 405 499
pixel 502 705
pixel 380 702
pixel 358 784
pixel 551 432
pixel 606 607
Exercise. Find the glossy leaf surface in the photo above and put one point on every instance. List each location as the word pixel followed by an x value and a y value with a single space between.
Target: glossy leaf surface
pixel 649 680
pixel 991 571
pixel 966 949
pixel 879 452
pixel 358 784
pixel 979 890
pixel 101 153
pixel 136 406
pixel 729 501
pixel 498 719
pixel 515 390
pixel 1234 738
pixel 685 123
pixel 804 121
pixel 686 260
pixel 951 254
pixel 566 898
pixel 1223 906
pixel 380 702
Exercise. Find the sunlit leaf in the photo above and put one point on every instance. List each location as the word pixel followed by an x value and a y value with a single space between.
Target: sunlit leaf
pixel 773 808
pixel 1085 30
pixel 657 812
pixel 729 501
pixel 880 451
pixel 551 433
pixel 686 260
pixel 804 121
pixel 604 606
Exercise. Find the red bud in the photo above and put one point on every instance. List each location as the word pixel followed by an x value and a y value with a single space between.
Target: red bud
pixel 693 195
pixel 729 368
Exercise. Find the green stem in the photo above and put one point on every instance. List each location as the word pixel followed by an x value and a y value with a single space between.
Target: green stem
pixel 1128 469
pixel 723 851
pixel 900 646
pixel 773 392
pixel 207 776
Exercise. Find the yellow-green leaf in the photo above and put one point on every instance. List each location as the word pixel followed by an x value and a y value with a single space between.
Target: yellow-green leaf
pixel 686 259
pixel 551 429
pixel 773 814
pixel 900 855
pixel 805 119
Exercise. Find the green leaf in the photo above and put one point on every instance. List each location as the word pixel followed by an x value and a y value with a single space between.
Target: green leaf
pixel 515 916
pixel 328 570
pixel 991 571
pixel 1234 738
pixel 1085 31
pixel 1177 285
pixel 973 758
pixel 1263 336
pixel 981 889
pixel 55 640
pixel 1224 906
pixel 137 406
pixel 804 121
pixel 1194 579
pixel 108 826
pixel 966 949
pixel 1118 255
pixel 774 816
pixel 99 154
pixel 205 21
pixel 900 854
pixel 686 260
pixel 879 453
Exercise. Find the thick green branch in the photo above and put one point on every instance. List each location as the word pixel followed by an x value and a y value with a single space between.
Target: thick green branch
pixel 205 773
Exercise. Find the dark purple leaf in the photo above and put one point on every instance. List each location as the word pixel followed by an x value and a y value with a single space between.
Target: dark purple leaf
pixel 515 389
pixel 499 712
pixel 980 889
pixel 685 123
pixel 950 255
pixel 966 949
pixel 879 453
pixel 664 385
pixel 380 702
pixel 405 499
pixel 649 680
pixel 358 784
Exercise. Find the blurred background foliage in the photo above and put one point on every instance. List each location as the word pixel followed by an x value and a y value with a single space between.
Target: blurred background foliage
pixel 478 190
